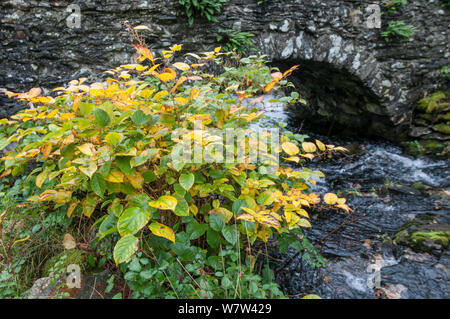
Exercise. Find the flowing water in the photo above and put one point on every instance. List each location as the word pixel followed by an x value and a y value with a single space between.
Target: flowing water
pixel 386 189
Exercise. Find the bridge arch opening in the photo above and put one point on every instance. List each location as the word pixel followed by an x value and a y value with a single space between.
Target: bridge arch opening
pixel 337 102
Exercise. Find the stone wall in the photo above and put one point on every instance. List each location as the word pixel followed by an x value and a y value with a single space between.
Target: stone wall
pixel 38 49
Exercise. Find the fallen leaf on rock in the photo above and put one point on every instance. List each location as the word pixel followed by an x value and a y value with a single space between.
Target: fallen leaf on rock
pixel 69 242
pixel 394 291
pixel 367 243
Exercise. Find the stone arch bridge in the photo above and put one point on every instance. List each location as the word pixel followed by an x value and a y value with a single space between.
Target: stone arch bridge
pixel 349 72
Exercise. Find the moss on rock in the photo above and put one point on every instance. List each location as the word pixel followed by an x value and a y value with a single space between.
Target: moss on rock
pixel 424 233
pixel 72 256
pixel 443 128
pixel 439 237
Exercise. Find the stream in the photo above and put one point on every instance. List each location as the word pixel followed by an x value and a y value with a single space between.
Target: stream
pixel 385 189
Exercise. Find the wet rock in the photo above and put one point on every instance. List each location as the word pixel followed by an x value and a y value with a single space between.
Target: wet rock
pixel 41 289
pixel 427 279
pixel 424 233
pixel 419 131
pixel 92 286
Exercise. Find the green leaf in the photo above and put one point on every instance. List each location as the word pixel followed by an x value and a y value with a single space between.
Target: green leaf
pixel 229 233
pixel 132 220
pixel 108 226
pixel 113 138
pixel 184 252
pixel 3 143
pixel 182 208
pixel 140 118
pixel 213 238
pixel 149 176
pixel 143 157
pixel 195 230
pixel 123 162
pixel 101 117
pixel 217 223
pixel 115 208
pixel 187 180
pixel 98 184
pixel 125 248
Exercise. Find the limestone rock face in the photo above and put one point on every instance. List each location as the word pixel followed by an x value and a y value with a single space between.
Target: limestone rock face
pixel 39 49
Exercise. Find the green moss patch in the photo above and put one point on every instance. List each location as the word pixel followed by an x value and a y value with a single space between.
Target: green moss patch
pixel 68 257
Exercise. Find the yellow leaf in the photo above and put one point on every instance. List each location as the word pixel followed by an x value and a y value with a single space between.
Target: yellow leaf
pixel 20 240
pixel 320 145
pixel 309 156
pixel 194 93
pixel 193 209
pixel 71 209
pixel 87 149
pixel 309 147
pixel 330 198
pixel 168 75
pixel 146 93
pixel 167 54
pixel 311 296
pixel 344 207
pixel 180 100
pixel 141 27
pixel 88 205
pixel 90 170
pixel 176 47
pixel 292 159
pixel 160 95
pixel 303 223
pixel 165 77
pixel 144 51
pixel 290 148
pixel 164 202
pixel 270 86
pixel 41 178
pixel 222 212
pixel 52 114
pixel 303 213
pixel 34 92
pixel 66 116
pixel 152 69
pixel 181 66
pixel 137 180
pixel 288 72
pixel 131 152
pixel 246 216
pixel 115 176
pixel 180 80
pixel 162 231
pixel 46 149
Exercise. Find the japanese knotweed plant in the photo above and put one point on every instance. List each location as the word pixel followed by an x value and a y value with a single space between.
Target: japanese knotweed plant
pixel 104 151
